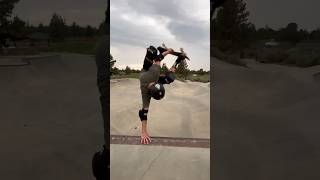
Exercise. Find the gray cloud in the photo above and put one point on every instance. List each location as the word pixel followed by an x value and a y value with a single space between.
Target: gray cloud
pixel 81 11
pixel 276 14
pixel 182 26
pixel 189 33
pixel 178 23
pixel 131 34
pixel 167 8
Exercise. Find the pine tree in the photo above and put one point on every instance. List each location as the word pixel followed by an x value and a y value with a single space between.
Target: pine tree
pixel 6 7
pixel 231 18
pixel 127 70
pixel 57 27
pixel 182 70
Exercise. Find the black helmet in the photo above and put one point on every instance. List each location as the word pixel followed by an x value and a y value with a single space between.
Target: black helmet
pixel 157 91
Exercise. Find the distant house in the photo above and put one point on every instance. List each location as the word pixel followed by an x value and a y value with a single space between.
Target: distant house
pixel 271 43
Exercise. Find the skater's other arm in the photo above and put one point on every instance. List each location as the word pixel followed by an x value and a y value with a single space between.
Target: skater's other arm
pixel 162 55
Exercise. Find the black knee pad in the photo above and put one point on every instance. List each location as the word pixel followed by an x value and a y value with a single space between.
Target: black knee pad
pixel 170 77
pixel 143 113
pixel 167 79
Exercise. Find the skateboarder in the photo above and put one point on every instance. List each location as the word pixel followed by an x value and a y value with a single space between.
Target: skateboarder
pixel 151 82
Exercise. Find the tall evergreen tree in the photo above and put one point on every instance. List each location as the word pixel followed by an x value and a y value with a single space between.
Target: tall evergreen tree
pixel 231 20
pixel 57 27
pixel 6 7
pixel 17 26
pixel 182 70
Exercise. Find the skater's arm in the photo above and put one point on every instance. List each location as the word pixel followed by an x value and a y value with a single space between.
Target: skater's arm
pixel 175 53
pixel 143 114
pixel 145 138
pixel 162 55
pixel 169 51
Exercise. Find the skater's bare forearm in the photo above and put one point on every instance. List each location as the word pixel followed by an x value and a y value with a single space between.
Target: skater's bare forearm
pixel 169 51
pixel 145 138
pixel 143 126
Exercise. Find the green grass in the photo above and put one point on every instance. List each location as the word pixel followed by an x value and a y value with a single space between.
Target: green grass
pixel 80 47
pixel 303 56
pixel 120 76
pixel 18 51
pixel 199 78
pixel 232 58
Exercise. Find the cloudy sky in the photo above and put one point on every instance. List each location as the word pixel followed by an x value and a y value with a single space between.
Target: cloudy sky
pixel 135 25
pixel 179 23
pixel 83 12
pixel 278 13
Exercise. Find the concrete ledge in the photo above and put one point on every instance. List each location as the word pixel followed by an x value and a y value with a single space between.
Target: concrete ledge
pixel 162 141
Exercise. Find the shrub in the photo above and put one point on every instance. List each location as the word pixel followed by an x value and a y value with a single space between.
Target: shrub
pixel 231 57
pixel 303 57
pixel 272 55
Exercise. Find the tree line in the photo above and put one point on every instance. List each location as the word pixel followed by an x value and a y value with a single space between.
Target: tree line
pixel 57 28
pixel 182 70
pixel 231 25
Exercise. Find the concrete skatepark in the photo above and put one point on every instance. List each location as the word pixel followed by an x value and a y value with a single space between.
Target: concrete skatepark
pixel 51 122
pixel 266 122
pixel 183 113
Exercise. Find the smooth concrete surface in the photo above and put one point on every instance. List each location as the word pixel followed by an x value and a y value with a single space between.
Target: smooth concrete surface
pixel 266 122
pixel 137 162
pixel 184 111
pixel 50 118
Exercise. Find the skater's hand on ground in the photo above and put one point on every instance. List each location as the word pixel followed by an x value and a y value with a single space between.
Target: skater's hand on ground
pixel 145 138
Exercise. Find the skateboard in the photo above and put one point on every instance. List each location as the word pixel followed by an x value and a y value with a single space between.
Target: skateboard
pixel 181 53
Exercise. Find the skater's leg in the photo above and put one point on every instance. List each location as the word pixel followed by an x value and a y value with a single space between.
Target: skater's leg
pixel 148 59
pixel 179 59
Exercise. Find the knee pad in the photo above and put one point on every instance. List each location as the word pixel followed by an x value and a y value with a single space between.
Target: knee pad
pixel 170 77
pixel 143 114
